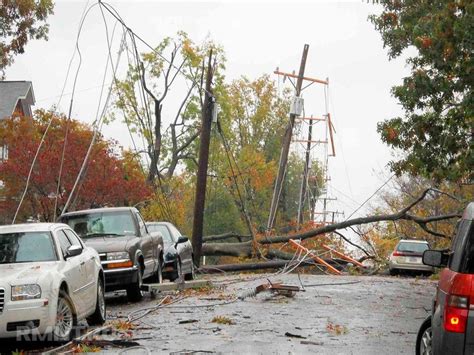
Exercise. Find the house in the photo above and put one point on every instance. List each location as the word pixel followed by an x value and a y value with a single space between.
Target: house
pixel 16 99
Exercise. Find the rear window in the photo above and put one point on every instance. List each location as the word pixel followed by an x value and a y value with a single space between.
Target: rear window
pixel 164 232
pixel 416 248
pixel 462 258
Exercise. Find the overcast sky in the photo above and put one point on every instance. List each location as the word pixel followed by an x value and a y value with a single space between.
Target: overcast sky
pixel 257 36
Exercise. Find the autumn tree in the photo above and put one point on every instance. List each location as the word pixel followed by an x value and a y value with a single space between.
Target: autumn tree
pixel 243 162
pixel 21 21
pixel 141 96
pixel 252 122
pixel 435 135
pixel 113 178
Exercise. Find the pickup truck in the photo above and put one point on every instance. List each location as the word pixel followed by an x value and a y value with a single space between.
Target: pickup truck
pixel 128 252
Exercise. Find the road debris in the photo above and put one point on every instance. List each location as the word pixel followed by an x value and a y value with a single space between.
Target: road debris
pixel 336 329
pixel 222 320
pixel 291 335
pixel 278 288
pixel 187 321
pixel 316 258
pixel 309 342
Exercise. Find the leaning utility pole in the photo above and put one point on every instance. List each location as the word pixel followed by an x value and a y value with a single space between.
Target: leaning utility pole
pixel 205 139
pixel 286 146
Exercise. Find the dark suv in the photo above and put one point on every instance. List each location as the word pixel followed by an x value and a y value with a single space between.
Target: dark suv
pixel 450 327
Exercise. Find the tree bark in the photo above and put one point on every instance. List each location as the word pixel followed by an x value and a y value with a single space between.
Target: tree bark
pixel 228 235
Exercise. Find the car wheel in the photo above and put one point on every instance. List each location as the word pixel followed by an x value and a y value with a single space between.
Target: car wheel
pixel 192 274
pixel 134 291
pixel 65 319
pixel 99 315
pixel 393 272
pixel 424 339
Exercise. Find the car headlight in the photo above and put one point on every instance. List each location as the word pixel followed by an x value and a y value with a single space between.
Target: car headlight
pixel 118 255
pixel 26 292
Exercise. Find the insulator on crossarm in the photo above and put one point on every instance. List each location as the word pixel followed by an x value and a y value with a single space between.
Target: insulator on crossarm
pixel 248 293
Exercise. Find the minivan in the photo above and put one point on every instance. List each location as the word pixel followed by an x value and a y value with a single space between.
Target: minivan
pixel 450 327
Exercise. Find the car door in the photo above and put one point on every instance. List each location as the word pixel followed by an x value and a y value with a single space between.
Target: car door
pixel 74 271
pixel 89 289
pixel 147 248
pixel 184 249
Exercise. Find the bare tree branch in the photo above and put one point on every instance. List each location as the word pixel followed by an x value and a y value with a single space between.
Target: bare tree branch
pixel 352 243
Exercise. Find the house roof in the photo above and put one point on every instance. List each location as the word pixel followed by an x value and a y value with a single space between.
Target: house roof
pixel 11 92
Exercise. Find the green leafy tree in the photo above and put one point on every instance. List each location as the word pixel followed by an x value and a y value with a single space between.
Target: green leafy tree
pixel 292 189
pixel 20 21
pixel 435 135
pixel 253 120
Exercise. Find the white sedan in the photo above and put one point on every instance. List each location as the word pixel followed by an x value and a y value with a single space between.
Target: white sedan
pixel 49 280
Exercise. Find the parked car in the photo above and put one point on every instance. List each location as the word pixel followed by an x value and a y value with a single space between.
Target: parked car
pixel 407 256
pixel 49 280
pixel 128 251
pixel 179 260
pixel 450 327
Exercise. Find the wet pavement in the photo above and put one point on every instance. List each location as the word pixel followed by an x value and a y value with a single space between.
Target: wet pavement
pixel 334 315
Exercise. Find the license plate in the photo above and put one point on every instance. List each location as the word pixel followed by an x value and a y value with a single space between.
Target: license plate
pixel 414 260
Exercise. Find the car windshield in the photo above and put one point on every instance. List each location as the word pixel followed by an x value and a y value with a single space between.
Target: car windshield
pixel 416 248
pixel 26 247
pixel 163 230
pixel 107 224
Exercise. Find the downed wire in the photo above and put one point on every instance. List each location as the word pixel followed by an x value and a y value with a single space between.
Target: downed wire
pixel 332 284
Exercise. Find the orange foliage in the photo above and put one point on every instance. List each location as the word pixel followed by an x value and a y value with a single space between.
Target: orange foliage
pixel 110 178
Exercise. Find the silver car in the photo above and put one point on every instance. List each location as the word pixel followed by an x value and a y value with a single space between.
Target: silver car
pixel 408 256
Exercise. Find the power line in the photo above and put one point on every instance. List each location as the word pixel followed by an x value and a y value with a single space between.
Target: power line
pixel 97 121
pixel 115 14
pixel 76 49
pixel 376 191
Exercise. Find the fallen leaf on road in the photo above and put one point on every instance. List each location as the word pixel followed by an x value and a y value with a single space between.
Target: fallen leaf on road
pixel 336 329
pixel 222 320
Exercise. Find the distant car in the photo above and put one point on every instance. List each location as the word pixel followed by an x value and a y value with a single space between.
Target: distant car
pixel 408 256
pixel 49 280
pixel 129 252
pixel 450 327
pixel 179 259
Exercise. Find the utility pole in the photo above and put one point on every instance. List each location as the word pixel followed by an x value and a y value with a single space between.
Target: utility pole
pixel 304 182
pixel 205 138
pixel 286 147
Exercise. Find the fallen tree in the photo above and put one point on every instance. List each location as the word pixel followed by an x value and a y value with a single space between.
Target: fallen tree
pixel 261 248
pixel 228 235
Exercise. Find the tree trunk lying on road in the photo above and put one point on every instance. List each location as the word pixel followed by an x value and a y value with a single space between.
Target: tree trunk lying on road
pixel 246 249
pixel 229 235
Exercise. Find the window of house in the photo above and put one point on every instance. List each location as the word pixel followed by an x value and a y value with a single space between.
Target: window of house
pixel 3 152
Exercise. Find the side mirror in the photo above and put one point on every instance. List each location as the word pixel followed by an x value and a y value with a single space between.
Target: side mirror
pixel 435 258
pixel 183 239
pixel 73 250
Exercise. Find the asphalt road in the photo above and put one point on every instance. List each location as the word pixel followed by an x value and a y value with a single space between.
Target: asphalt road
pixel 334 315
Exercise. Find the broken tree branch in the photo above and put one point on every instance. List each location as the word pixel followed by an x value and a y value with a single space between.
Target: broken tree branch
pixel 352 243
pixel 247 248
